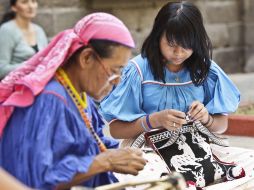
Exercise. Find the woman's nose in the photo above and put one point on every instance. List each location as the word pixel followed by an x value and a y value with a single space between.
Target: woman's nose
pixel 178 51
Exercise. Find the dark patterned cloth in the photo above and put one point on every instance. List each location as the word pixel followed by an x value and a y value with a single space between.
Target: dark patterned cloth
pixel 188 151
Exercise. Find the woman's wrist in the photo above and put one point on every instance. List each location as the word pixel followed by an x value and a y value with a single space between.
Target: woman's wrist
pixel 104 158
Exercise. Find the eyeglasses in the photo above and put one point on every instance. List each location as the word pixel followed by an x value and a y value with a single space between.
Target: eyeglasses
pixel 111 77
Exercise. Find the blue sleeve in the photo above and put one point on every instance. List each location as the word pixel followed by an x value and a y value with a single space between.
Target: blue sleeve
pixel 98 125
pixel 72 148
pixel 222 96
pixel 125 101
pixel 62 145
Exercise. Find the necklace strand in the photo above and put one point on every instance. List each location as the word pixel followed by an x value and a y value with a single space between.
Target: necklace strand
pixel 62 77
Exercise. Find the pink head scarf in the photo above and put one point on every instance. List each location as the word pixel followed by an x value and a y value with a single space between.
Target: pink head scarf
pixel 20 87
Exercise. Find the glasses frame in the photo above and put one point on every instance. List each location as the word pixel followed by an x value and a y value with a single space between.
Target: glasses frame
pixel 111 77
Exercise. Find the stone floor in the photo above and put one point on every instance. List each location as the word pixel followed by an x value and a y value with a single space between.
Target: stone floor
pixel 244 82
pixel 240 141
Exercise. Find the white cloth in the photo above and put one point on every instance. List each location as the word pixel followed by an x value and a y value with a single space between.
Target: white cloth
pixel 241 156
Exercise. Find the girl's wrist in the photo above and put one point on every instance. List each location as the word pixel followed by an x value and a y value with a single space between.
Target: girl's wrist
pixel 207 121
pixel 149 125
pixel 210 122
pixel 143 124
pixel 153 120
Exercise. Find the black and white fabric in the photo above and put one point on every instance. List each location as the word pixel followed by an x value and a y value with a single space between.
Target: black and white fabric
pixel 188 151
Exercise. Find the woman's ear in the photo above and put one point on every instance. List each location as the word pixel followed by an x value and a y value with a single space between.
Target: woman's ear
pixel 14 9
pixel 86 58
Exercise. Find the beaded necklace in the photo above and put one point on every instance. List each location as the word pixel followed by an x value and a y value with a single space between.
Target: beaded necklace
pixel 63 79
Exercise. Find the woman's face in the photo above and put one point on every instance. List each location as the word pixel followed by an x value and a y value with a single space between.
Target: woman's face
pixel 26 9
pixel 173 53
pixel 107 72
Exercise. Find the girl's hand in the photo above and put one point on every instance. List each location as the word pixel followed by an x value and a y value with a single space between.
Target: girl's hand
pixel 170 119
pixel 198 111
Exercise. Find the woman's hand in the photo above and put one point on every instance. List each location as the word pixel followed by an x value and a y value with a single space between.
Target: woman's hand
pixel 122 160
pixel 126 161
pixel 198 111
pixel 169 119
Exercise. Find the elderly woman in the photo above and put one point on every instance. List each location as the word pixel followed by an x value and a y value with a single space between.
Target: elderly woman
pixel 51 131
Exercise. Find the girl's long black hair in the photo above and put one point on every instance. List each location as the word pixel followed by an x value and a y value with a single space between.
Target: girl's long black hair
pixel 10 14
pixel 182 23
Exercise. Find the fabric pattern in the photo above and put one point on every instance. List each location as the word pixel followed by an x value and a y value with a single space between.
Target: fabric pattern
pixel 240 156
pixel 191 155
pixel 155 166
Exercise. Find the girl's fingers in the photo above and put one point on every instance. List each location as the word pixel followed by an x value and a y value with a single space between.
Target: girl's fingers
pixel 200 115
pixel 193 106
pixel 179 114
pixel 175 123
pixel 197 109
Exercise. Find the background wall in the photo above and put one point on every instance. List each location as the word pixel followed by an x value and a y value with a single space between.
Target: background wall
pixel 229 23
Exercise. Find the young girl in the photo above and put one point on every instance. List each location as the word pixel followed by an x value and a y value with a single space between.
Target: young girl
pixel 19 37
pixel 174 76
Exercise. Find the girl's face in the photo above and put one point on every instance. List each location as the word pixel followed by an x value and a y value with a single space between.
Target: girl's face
pixel 26 9
pixel 173 53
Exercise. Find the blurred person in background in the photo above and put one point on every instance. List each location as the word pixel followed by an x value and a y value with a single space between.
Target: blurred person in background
pixel 20 38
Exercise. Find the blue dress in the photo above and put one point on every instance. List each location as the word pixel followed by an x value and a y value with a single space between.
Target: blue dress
pixel 139 93
pixel 48 143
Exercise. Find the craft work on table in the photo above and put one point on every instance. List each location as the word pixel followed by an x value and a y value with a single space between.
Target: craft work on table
pixel 187 151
